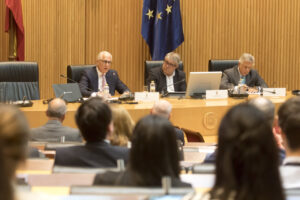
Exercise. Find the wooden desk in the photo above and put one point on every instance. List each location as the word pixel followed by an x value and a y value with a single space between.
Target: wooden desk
pixel 203 116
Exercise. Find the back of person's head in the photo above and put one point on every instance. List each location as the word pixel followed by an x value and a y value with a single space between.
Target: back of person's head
pixel 93 119
pixel 266 106
pixel 289 107
pixel 154 151
pixel 123 126
pixel 247 157
pixel 14 132
pixel 162 108
pixel 56 108
pixel 291 130
pixel 6 189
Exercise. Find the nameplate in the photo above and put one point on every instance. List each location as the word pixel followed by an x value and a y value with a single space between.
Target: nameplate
pixel 146 96
pixel 216 94
pixel 274 92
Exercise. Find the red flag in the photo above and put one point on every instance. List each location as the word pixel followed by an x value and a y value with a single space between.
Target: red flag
pixel 15 7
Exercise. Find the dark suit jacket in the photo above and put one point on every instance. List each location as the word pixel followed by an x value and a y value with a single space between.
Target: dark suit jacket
pixel 52 132
pixel 125 179
pixel 156 74
pixel 97 155
pixel 232 76
pixel 179 135
pixel 89 82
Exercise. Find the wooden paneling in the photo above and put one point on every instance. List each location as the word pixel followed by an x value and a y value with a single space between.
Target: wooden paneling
pixel 3 36
pixel 62 32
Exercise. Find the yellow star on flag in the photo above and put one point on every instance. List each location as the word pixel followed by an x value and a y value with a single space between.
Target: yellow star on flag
pixel 168 9
pixel 150 13
pixel 159 15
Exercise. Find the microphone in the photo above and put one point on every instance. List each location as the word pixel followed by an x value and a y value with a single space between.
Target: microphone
pixel 164 91
pixel 268 91
pixel 64 76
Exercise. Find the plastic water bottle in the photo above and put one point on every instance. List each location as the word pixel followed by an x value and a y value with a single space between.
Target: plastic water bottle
pixel 106 90
pixel 152 86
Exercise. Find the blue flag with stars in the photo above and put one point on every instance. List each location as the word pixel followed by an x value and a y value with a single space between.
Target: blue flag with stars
pixel 162 26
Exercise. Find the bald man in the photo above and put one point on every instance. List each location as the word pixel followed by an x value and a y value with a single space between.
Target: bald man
pixel 94 79
pixel 53 130
pixel 164 108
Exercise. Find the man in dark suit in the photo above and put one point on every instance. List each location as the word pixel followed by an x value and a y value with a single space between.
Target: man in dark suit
pixel 168 78
pixel 94 119
pixel 163 108
pixel 93 80
pixel 243 75
pixel 289 122
pixel 53 130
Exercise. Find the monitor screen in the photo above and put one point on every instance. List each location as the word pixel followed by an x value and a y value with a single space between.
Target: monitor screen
pixel 199 82
pixel 69 92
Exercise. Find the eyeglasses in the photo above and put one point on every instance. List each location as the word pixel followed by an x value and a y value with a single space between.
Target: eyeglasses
pixel 108 62
pixel 170 64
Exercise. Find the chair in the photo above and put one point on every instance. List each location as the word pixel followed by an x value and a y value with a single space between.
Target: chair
pixel 19 80
pixel 192 136
pixel 74 72
pixel 221 65
pixel 150 64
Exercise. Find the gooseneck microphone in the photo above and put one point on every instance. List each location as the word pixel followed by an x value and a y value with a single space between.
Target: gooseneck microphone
pixel 64 76
pixel 164 91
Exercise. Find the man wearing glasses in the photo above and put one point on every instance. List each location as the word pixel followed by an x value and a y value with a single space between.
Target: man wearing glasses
pixel 95 79
pixel 168 78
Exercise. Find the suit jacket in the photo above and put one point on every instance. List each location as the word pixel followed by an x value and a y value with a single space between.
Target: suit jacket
pixel 89 82
pixel 125 179
pixel 52 132
pixel 157 75
pixel 97 154
pixel 232 76
pixel 179 135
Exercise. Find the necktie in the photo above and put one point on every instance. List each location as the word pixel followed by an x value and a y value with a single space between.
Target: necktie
pixel 103 81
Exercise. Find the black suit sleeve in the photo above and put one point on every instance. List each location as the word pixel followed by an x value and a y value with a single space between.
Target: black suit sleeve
pixel 84 85
pixel 120 86
pixel 182 86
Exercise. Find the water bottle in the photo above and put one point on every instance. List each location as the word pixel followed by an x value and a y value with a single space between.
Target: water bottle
pixel 106 90
pixel 152 86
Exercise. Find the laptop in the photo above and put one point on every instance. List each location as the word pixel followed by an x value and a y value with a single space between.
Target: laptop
pixel 69 92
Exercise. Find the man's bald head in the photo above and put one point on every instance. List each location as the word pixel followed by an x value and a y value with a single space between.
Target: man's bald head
pixel 162 108
pixel 266 106
pixel 57 108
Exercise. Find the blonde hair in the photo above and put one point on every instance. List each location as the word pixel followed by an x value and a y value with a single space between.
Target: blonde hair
pixel 123 126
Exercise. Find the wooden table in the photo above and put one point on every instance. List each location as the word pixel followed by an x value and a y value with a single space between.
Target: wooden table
pixel 199 115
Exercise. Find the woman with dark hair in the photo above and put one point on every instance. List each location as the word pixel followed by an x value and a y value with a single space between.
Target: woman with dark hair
pixel 154 154
pixel 247 157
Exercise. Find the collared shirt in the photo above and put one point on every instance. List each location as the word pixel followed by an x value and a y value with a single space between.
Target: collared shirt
pixel 242 78
pixel 100 86
pixel 170 84
pixel 292 160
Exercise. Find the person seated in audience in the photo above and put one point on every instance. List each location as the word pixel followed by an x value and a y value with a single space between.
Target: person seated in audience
pixel 94 120
pixel 53 130
pixel 289 121
pixel 123 126
pixel 14 132
pixel 247 160
pixel 163 108
pixel 243 75
pixel 154 154
pixel 93 80
pixel 268 108
pixel 168 78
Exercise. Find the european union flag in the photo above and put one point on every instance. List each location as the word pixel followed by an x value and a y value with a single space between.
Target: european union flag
pixel 162 26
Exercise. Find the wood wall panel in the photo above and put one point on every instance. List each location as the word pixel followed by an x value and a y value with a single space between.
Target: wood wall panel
pixel 3 36
pixel 62 32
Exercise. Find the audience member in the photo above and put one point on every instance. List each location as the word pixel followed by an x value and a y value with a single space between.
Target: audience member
pixel 123 126
pixel 93 80
pixel 14 133
pixel 168 78
pixel 247 161
pixel 243 74
pixel 53 130
pixel 163 108
pixel 94 120
pixel 289 121
pixel 154 154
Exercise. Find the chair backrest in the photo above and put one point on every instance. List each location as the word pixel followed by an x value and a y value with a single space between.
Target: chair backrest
pixel 221 65
pixel 193 136
pixel 19 80
pixel 150 64
pixel 74 72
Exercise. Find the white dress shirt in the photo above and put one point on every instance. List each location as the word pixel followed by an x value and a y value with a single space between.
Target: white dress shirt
pixel 170 84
